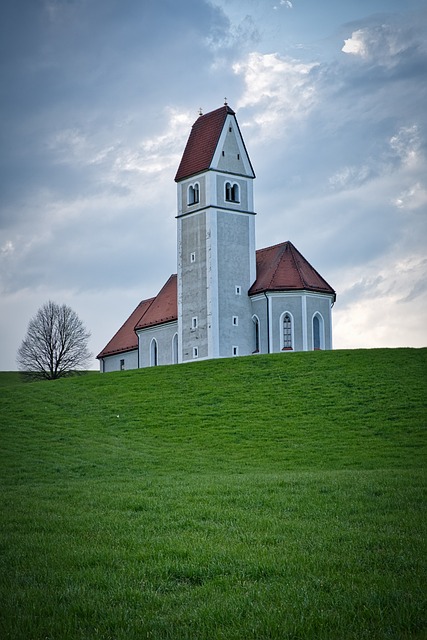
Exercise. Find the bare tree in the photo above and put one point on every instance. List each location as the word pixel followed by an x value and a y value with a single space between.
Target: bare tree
pixel 56 344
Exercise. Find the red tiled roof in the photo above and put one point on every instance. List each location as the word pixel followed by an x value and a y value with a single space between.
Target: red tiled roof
pixel 202 142
pixel 154 311
pixel 164 308
pixel 126 339
pixel 283 268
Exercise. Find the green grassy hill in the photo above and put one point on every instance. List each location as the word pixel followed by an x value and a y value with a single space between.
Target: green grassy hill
pixel 276 496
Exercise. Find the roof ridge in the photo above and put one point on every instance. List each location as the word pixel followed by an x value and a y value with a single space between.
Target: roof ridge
pixel 278 259
pixel 297 267
pixel 311 267
pixel 282 267
pixel 273 246
pixel 150 300
pixel 207 130
pixel 158 305
pixel 108 350
pixel 224 107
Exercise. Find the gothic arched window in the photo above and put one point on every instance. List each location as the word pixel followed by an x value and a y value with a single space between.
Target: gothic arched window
pixel 287 332
pixel 153 353
pixel 193 194
pixel 175 349
pixel 256 334
pixel 318 332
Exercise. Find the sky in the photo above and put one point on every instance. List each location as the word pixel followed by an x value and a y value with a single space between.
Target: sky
pixel 97 102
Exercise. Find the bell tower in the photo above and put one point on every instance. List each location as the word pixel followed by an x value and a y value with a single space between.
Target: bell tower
pixel 216 240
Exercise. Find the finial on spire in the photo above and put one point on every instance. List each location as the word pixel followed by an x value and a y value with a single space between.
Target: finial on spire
pixel 225 102
pixel 200 111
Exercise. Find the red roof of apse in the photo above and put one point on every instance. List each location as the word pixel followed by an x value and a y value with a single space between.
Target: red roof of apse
pixel 126 339
pixel 164 308
pixel 202 142
pixel 282 268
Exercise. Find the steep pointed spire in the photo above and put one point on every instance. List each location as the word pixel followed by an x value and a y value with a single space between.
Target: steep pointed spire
pixel 202 143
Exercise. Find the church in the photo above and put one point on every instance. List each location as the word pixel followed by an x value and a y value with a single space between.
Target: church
pixel 227 298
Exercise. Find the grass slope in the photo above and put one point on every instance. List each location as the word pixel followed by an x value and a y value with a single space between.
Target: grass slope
pixel 261 497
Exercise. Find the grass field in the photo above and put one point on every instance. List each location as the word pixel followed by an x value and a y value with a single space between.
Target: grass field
pixel 267 497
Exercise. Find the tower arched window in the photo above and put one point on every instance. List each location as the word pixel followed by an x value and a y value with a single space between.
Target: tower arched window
pixel 287 331
pixel 318 332
pixel 154 353
pixel 193 194
pixel 232 192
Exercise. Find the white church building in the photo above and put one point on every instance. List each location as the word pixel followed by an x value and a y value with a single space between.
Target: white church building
pixel 227 298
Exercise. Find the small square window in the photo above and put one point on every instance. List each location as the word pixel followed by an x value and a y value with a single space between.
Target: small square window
pixel 194 323
pixel 192 257
pixel 195 352
pixel 238 290
pixel 230 129
pixel 235 321
pixel 235 351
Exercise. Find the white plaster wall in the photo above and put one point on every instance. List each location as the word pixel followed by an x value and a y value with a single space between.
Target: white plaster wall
pixel 319 304
pixel 164 334
pixel 193 285
pixel 292 303
pixel 259 308
pixel 183 207
pixel 112 363
pixel 232 144
pixel 234 269
pixel 244 186
pixel 232 158
pixel 302 306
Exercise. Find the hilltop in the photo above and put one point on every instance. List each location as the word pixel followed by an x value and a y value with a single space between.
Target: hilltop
pixel 272 496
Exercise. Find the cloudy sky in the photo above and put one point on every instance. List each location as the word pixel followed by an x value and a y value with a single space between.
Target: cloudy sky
pixel 97 101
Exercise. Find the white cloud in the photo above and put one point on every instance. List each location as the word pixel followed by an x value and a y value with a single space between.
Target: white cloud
pixel 127 162
pixel 399 156
pixel 406 145
pixel 7 249
pixel 70 145
pixel 414 197
pixel 126 212
pixel 281 89
pixel 381 44
pixel 356 44
pixel 348 177
pixel 386 307
pixel 165 149
pixel 284 3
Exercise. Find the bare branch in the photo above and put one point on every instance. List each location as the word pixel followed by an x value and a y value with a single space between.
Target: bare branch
pixel 56 344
